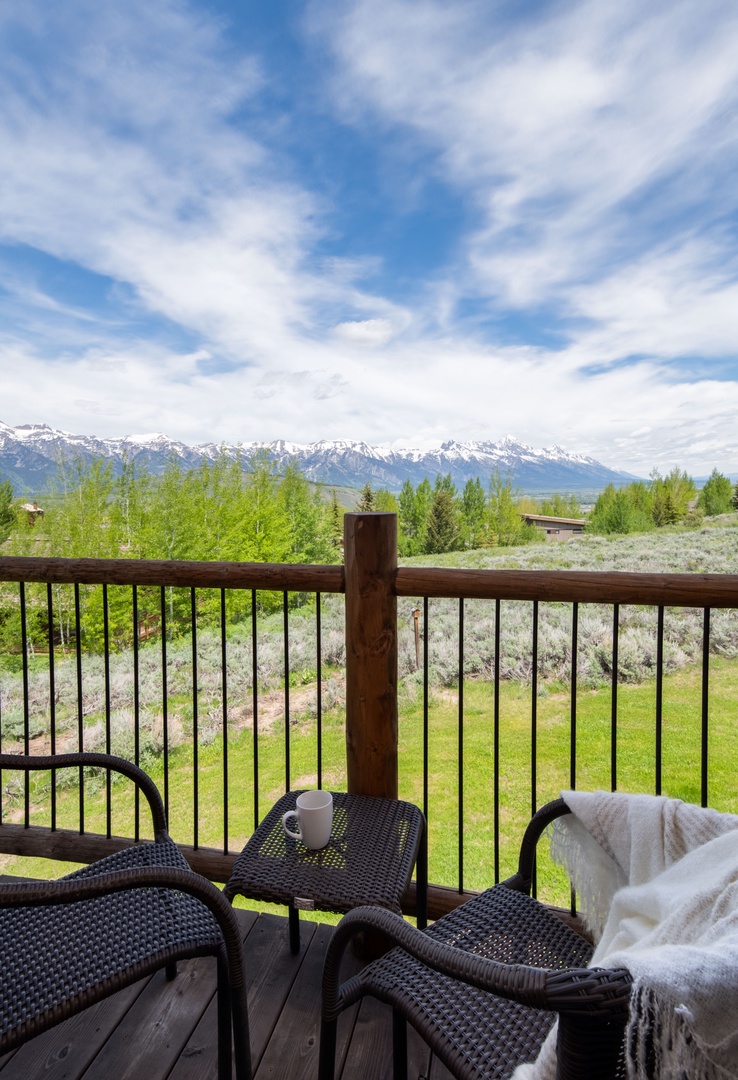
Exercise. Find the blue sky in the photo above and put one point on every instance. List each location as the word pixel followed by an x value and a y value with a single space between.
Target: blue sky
pixel 402 221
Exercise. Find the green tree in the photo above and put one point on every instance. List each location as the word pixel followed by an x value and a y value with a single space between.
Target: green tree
pixel 336 517
pixel 366 499
pixel 445 483
pixel 262 533
pixel 716 496
pixel 308 518
pixel 7 514
pixel 505 523
pixel 562 506
pixel 622 510
pixel 671 496
pixel 385 501
pixel 442 533
pixel 473 514
pixel 414 506
pixel 130 508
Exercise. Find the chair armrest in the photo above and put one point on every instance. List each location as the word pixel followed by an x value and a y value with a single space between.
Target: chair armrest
pixel 143 782
pixel 66 891
pixel 522 880
pixel 592 991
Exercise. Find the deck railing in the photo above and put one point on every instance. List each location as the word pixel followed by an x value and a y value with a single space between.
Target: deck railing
pixel 371 582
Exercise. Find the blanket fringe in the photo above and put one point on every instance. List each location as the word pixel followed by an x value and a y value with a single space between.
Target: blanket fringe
pixel 660 1045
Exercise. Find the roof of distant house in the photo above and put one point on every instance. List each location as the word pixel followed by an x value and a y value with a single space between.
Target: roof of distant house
pixel 545 519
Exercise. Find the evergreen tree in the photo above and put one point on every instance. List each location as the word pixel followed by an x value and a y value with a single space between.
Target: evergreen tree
pixel 366 499
pixel 336 515
pixel 442 533
pixel 7 514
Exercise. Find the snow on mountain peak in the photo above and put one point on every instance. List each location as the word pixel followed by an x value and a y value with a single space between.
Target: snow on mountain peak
pixel 342 461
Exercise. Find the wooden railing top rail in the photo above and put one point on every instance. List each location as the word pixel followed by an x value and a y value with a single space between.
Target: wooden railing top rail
pixel 289 577
pixel 669 590
pixel 567 586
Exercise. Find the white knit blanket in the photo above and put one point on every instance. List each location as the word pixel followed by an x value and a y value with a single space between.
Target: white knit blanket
pixel 657 883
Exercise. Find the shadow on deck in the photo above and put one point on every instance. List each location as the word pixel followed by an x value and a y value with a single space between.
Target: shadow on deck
pixel 167 1031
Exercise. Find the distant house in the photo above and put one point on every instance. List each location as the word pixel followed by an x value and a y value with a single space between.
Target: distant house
pixel 33 510
pixel 556 528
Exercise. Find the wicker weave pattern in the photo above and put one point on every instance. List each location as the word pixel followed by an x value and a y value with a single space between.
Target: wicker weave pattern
pixel 65 945
pixel 353 869
pixel 476 1033
pixel 483 984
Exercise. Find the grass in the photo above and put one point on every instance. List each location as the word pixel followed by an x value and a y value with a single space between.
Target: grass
pixel 519 788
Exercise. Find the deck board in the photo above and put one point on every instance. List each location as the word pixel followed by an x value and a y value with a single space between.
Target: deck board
pixel 163 1030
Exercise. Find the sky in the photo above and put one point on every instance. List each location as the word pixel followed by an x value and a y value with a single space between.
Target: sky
pixel 397 221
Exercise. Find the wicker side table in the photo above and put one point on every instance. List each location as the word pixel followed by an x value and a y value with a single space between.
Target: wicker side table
pixel 373 848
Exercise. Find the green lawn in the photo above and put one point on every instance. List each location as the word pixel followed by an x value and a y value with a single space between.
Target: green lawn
pixel 635 765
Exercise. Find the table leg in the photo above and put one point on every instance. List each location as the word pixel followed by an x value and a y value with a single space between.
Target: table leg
pixel 294 917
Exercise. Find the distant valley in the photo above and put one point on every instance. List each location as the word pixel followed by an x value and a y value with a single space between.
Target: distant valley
pixel 29 454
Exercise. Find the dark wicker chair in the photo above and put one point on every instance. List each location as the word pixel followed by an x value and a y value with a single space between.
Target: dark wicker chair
pixel 67 944
pixel 484 984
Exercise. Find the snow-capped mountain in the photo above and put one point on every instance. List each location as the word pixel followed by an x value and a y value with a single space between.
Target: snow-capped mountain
pixel 30 453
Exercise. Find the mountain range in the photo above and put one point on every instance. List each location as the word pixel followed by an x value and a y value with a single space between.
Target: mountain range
pixel 29 454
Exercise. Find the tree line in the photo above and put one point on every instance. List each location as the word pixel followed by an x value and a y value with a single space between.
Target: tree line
pixel 433 519
pixel 225 510
pixel 663 500
pixel 244 510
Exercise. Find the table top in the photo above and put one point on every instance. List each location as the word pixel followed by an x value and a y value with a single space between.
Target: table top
pixel 369 859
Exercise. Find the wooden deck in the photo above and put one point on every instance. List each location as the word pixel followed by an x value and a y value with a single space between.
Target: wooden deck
pixel 157 1030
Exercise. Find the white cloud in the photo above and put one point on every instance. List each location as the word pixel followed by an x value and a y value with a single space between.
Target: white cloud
pixel 594 147
pixel 558 125
pixel 370 332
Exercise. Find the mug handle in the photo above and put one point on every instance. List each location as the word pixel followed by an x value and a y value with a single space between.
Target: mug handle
pixel 295 835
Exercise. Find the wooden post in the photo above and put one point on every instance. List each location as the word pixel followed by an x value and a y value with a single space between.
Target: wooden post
pixel 370 558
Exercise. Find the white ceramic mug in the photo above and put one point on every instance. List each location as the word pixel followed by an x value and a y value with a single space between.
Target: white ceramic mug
pixel 314 813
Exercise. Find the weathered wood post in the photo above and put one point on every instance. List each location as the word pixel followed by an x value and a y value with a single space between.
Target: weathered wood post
pixel 370 558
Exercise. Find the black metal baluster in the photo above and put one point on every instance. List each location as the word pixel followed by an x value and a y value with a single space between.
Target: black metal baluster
pixel 52 697
pixel 136 711
pixel 614 710
pixel 461 745
pixel 319 688
pixel 26 712
pixel 108 747
pixel 573 704
pixel 659 698
pixel 705 701
pixel 496 741
pixel 425 708
pixel 195 726
pixel 286 632
pixel 534 717
pixel 255 710
pixel 80 710
pixel 573 721
pixel 224 669
pixel 164 695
